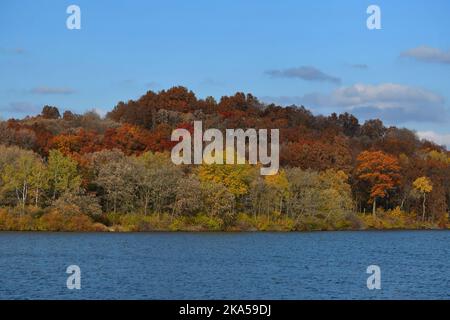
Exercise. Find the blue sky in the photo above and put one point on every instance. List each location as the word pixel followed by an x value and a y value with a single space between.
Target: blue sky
pixel 316 53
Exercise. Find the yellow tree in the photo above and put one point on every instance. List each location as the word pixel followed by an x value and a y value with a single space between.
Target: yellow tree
pixel 279 185
pixel 424 186
pixel 235 177
pixel 381 171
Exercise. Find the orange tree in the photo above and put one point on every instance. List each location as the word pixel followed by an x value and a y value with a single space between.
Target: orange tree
pixel 381 171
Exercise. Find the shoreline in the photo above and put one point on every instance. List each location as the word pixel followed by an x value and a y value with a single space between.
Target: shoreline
pixel 55 221
pixel 225 231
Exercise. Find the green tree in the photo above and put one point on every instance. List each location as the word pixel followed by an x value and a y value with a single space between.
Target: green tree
pixel 62 173
pixel 20 176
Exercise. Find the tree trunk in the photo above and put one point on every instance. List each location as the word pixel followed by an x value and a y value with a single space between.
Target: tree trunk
pixel 374 208
pixel 281 204
pixel 37 198
pixel 146 201
pixel 423 206
pixel 402 205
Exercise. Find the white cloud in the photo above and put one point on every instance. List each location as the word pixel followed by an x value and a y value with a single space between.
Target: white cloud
pixel 427 54
pixel 440 139
pixel 384 96
pixel 102 113
pixel 388 101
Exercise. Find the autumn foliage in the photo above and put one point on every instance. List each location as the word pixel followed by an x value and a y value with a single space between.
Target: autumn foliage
pixel 116 170
pixel 381 171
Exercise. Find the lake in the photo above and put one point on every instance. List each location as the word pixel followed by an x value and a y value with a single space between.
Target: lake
pixel 317 265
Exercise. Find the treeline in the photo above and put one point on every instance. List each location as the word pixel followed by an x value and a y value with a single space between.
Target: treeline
pixel 84 172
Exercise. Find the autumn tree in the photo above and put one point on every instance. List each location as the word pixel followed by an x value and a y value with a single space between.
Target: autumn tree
pixel 188 196
pixel 381 171
pixel 118 179
pixel 278 190
pixel 127 138
pixel 235 177
pixel 218 201
pixel 374 129
pixel 324 194
pixel 156 178
pixel 336 196
pixel 424 186
pixel 50 112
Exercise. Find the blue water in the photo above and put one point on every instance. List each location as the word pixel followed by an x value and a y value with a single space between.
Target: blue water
pixel 322 265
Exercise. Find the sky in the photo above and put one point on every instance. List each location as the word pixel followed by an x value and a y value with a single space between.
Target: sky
pixel 320 54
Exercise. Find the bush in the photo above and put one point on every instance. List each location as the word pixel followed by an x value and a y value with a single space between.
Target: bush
pixel 56 221
pixel 74 205
pixel 207 223
pixel 311 223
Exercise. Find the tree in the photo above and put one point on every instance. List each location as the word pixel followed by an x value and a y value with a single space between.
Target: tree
pixel 39 181
pixel 235 177
pixel 278 187
pixel 424 186
pixel 69 116
pixel 71 204
pixel 336 196
pixel 218 201
pixel 49 112
pixel 381 171
pixel 156 179
pixel 128 138
pixel 63 174
pixel 119 181
pixel 325 195
pixel 349 123
pixel 188 199
pixel 11 134
pixel 374 129
pixel 22 175
pixel 304 192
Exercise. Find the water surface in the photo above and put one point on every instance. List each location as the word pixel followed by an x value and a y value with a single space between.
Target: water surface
pixel 320 265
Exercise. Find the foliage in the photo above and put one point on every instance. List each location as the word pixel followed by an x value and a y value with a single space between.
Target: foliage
pixel 381 171
pixel 85 172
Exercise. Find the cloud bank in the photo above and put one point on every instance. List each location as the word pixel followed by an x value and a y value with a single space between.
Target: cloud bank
pixel 440 139
pixel 391 102
pixel 306 73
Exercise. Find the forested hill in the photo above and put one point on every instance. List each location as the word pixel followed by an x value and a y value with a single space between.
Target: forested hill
pixel 136 126
pixel 381 164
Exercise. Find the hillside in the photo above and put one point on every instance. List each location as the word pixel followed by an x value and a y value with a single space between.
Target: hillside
pixel 72 171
